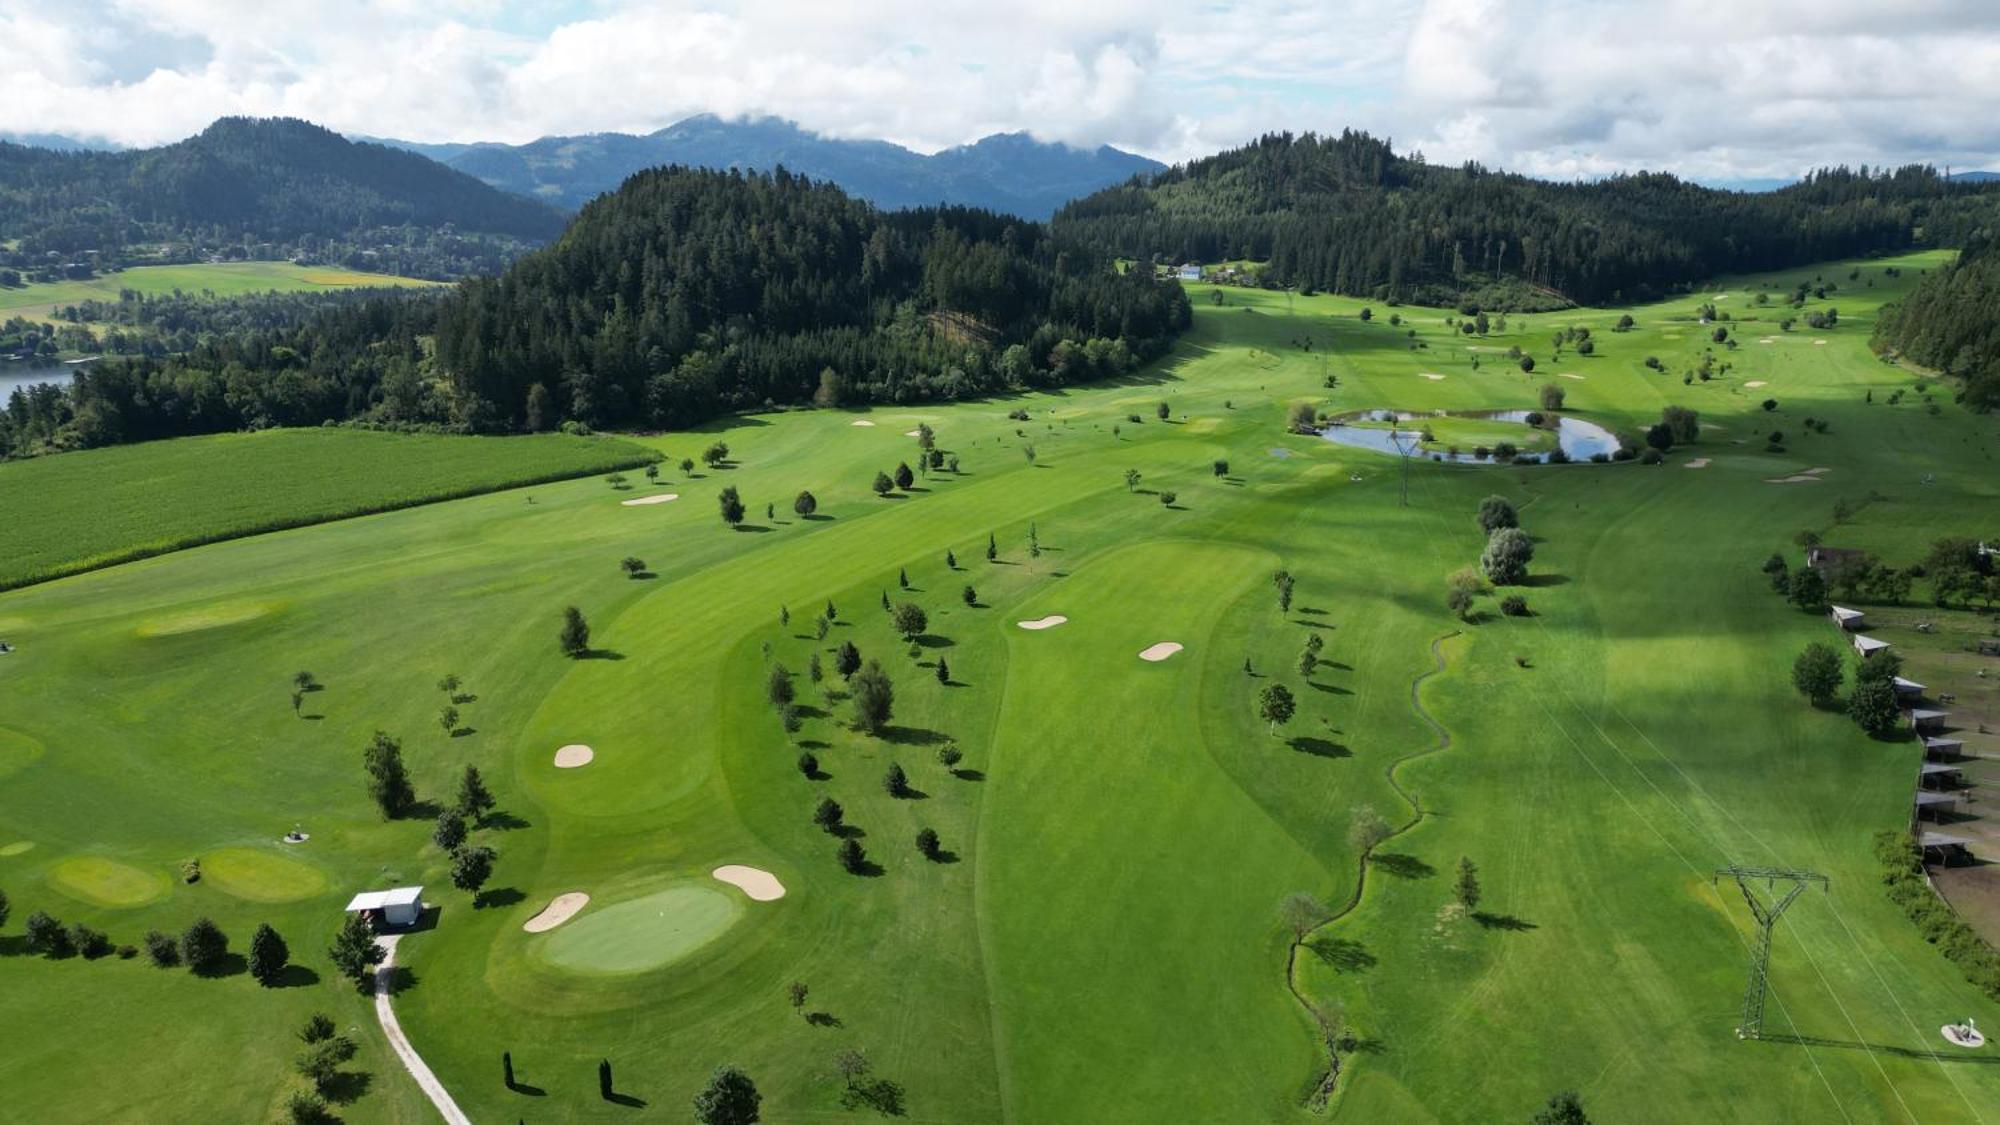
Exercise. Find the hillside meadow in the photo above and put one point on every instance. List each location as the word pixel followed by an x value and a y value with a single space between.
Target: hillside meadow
pixel 1098 936
pixel 224 279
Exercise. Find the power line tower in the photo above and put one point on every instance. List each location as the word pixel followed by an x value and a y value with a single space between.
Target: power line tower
pixel 1751 1025
pixel 1396 439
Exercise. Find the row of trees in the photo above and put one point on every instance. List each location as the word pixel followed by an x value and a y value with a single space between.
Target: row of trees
pixel 1947 322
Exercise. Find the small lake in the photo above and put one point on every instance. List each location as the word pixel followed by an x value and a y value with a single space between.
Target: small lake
pixel 14 375
pixel 1579 439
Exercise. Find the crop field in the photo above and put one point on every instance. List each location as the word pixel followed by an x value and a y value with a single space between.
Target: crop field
pixel 1097 937
pixel 223 279
pixel 79 511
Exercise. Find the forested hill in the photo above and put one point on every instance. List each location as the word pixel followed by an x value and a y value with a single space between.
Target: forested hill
pixel 1949 322
pixel 686 292
pixel 1349 215
pixel 243 185
pixel 683 295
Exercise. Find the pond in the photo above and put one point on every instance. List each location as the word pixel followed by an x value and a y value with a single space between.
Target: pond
pixel 1578 439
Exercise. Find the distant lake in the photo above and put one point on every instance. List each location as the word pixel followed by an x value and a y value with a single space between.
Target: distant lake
pixel 21 375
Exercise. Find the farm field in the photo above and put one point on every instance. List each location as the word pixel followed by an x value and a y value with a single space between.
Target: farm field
pixel 224 279
pixel 1099 938
pixel 78 511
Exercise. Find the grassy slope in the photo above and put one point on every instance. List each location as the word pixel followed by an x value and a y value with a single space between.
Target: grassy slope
pixel 1105 945
pixel 78 511
pixel 224 279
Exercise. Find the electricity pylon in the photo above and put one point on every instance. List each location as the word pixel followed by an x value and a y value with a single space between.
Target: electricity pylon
pixel 1751 1025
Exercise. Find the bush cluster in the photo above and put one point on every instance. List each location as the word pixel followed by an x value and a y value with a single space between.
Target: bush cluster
pixel 1903 875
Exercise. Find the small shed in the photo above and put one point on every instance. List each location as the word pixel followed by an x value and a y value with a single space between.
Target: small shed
pixel 1907 689
pixel 1947 847
pixel 1846 618
pixel 1868 646
pixel 1932 775
pixel 399 906
pixel 1926 799
pixel 1924 720
pixel 1943 747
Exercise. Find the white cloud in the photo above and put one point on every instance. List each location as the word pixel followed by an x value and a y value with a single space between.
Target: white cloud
pixel 1565 88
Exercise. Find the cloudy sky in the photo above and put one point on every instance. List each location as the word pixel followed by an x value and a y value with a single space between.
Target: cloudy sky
pixel 1714 89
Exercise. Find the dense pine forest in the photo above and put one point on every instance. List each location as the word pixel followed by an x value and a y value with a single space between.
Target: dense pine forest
pixel 684 295
pixel 258 189
pixel 1347 214
pixel 1949 323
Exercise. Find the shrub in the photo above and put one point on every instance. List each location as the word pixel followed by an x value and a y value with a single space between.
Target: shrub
pixel 89 942
pixel 1649 457
pixel 1505 560
pixel 203 946
pixel 46 935
pixel 165 952
pixel 1902 875
pixel 1514 605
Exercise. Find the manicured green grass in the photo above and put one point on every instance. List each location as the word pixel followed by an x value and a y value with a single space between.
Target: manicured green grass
pixel 1100 941
pixel 73 512
pixel 642 933
pixel 223 279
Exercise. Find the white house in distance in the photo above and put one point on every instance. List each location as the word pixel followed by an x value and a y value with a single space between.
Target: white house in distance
pixel 1847 618
pixel 1868 646
pixel 1188 273
pixel 401 906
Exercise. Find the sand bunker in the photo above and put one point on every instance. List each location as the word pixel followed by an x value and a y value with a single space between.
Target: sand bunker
pixel 1756 383
pixel 1698 463
pixel 1767 339
pixel 658 499
pixel 1816 472
pixel 1568 375
pixel 574 755
pixel 913 433
pixel 1159 652
pixel 1049 622
pixel 861 422
pixel 755 882
pixel 1797 478
pixel 1821 343
pixel 559 910
pixel 1431 375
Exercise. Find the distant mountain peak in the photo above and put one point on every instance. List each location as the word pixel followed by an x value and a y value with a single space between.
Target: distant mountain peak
pixel 1012 173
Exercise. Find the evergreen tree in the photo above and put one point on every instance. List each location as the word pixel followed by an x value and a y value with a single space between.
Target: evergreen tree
pixel 388 780
pixel 268 956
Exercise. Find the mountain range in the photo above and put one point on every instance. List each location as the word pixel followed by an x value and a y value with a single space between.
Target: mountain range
pixel 1010 173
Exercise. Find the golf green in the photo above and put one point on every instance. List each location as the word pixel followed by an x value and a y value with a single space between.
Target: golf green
pixel 642 933
pixel 106 882
pixel 260 875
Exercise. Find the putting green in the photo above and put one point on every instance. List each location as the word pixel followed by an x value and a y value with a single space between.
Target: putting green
pixel 107 882
pixel 208 617
pixel 16 848
pixel 643 933
pixel 17 751
pixel 261 876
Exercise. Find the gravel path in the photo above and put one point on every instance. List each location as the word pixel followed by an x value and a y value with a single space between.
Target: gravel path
pixel 412 1062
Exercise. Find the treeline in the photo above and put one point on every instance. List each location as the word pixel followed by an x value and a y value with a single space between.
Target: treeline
pixel 265 189
pixel 684 295
pixel 162 324
pixel 1951 322
pixel 1347 214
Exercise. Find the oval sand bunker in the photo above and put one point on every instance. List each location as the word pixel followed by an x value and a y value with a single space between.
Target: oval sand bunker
pixel 1049 622
pixel 755 882
pixel 559 910
pixel 574 755
pixel 1159 652
pixel 639 501
pixel 861 422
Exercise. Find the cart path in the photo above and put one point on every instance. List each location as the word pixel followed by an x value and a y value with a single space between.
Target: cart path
pixel 412 1062
pixel 1441 742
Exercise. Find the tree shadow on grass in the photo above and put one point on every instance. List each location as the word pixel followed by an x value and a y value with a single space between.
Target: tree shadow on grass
pixel 932 640
pixel 527 1090
pixel 498 896
pixel 1343 954
pixel 296 976
pixel 847 832
pixel 881 1095
pixel 912 793
pixel 401 979
pixel 464 732
pixel 944 855
pixel 1402 866
pixel 969 775
pixel 1330 689
pixel 506 821
pixel 812 744
pixel 600 654
pixel 227 965
pixel 823 1019
pixel 912 736
pixel 1320 747
pixel 347 1086
pixel 756 528
pixel 869 869
pixel 1502 921
pixel 627 1100
pixel 1544 580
